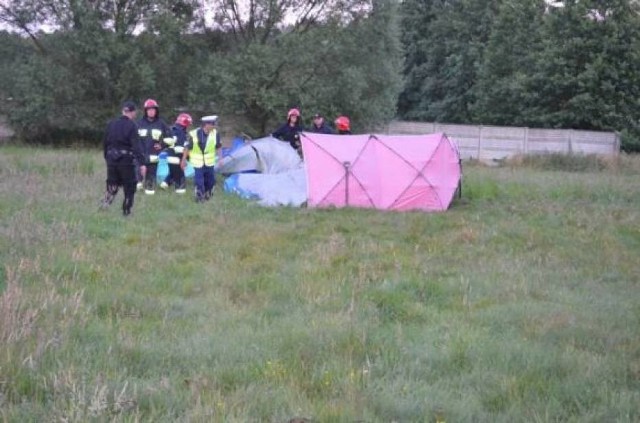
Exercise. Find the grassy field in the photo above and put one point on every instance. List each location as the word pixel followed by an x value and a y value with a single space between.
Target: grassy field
pixel 520 304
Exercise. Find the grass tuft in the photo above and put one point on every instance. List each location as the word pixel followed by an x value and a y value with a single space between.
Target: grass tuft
pixel 576 162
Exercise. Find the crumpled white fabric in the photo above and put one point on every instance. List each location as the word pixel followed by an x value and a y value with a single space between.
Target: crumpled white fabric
pixel 280 189
pixel 282 180
pixel 273 156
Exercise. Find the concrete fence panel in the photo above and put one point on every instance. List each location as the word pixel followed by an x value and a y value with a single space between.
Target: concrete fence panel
pixel 466 137
pixel 548 141
pixel 592 142
pixel 498 142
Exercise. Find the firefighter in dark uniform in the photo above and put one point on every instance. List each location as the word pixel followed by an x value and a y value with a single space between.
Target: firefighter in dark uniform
pixel 290 130
pixel 152 130
pixel 175 149
pixel 122 150
pixel 202 150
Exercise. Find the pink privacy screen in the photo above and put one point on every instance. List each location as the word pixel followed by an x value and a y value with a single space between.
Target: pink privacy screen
pixel 388 172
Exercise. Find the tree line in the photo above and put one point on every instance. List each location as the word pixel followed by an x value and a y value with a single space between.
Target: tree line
pixel 67 64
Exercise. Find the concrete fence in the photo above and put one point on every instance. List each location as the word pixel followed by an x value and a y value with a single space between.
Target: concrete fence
pixel 497 142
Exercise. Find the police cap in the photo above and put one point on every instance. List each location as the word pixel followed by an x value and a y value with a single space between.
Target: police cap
pixel 128 106
pixel 211 119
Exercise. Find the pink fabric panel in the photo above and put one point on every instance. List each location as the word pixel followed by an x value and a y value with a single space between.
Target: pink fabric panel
pixel 395 175
pixel 416 198
pixel 404 158
pixel 443 171
pixel 415 149
pixel 324 157
pixel 366 174
pixel 323 171
pixel 387 172
pixel 356 196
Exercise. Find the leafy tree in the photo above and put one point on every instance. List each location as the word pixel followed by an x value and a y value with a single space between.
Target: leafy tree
pixel 369 68
pixel 344 65
pixel 14 50
pixel 170 53
pixel 587 75
pixel 256 58
pixel 570 64
pixel 91 63
pixel 501 90
pixel 444 46
pixel 259 21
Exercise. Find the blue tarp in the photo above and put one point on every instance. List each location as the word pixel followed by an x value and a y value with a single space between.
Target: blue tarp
pixel 163 168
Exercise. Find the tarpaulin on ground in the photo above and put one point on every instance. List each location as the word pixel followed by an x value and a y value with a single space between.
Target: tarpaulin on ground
pixel 279 177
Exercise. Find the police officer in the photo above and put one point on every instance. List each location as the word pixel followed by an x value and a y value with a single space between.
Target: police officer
pixel 319 126
pixel 202 149
pixel 122 149
pixel 152 130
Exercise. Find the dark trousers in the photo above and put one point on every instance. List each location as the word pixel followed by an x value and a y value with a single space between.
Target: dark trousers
pixel 204 180
pixel 176 176
pixel 139 177
pixel 150 177
pixel 121 174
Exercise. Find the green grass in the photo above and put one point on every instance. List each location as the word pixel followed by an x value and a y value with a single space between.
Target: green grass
pixel 521 303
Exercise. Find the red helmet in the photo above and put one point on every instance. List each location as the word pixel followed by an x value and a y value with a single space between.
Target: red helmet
pixel 184 119
pixel 293 112
pixel 343 124
pixel 150 103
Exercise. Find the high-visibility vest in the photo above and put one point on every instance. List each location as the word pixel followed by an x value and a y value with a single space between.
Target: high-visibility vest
pixel 199 158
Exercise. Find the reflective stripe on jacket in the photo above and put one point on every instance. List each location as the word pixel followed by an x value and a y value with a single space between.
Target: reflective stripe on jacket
pixel 199 158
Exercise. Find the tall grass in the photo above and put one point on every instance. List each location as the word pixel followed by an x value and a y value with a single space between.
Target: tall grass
pixel 520 303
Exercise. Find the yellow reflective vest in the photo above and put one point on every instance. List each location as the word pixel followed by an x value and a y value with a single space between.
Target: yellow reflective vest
pixel 199 158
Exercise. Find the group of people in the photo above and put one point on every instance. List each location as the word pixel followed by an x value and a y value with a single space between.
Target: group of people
pixel 291 129
pixel 132 150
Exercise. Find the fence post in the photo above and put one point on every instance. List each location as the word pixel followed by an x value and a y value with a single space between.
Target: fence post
pixel 525 144
pixel 479 141
pixel 570 142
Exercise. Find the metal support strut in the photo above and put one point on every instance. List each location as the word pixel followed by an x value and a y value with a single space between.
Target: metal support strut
pixel 347 167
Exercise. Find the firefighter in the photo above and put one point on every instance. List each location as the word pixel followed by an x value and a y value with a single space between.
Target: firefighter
pixel 122 148
pixel 152 130
pixel 343 125
pixel 290 130
pixel 202 150
pixel 175 149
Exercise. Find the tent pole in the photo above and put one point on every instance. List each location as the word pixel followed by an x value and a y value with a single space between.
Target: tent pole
pixel 460 181
pixel 347 166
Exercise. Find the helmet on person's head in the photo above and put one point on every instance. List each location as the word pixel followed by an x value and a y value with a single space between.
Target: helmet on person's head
pixel 293 112
pixel 343 124
pixel 184 119
pixel 150 103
